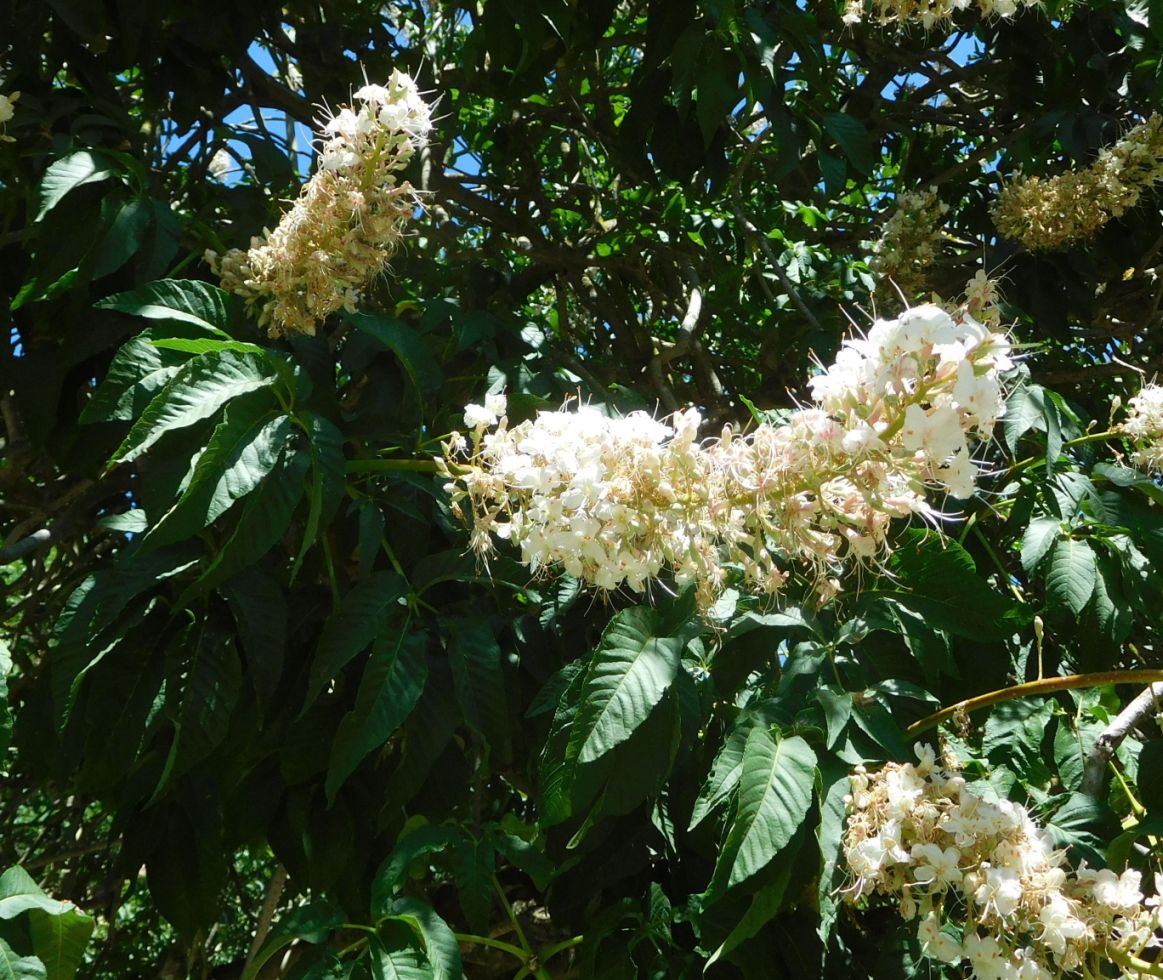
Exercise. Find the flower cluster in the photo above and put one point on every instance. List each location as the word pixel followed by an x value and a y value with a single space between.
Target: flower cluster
pixel 1144 426
pixel 614 501
pixel 910 239
pixel 927 13
pixel 984 880
pixel 1048 213
pixel 348 220
pixel 6 113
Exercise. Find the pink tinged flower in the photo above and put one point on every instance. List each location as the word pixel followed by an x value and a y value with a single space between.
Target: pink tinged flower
pixel 1001 891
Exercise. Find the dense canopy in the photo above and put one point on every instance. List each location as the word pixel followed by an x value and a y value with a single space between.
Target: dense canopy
pixel 511 488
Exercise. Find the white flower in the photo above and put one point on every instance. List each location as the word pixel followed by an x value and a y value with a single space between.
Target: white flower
pixel 497 404
pixel 936 867
pixel 478 417
pixel 1059 924
pixel 936 944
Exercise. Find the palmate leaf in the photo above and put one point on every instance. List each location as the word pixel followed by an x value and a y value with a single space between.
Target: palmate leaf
pixel 201 387
pixel 241 453
pixel 628 675
pixel 775 794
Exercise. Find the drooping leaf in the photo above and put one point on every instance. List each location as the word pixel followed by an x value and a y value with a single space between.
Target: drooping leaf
pixel 364 614
pixel 311 923
pixel 201 387
pixel 391 685
pixel 852 137
pixel 59 941
pixel 775 793
pixel 328 476
pixel 405 342
pixel 243 449
pixel 19 893
pixel 478 673
pixel 260 610
pixel 1037 540
pixel 627 676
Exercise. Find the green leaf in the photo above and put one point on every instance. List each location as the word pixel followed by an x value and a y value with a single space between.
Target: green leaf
pixel 197 391
pixel 122 239
pixel 478 674
pixel 440 942
pixel 391 685
pixel 1025 410
pixel 328 479
pixel 14 967
pixel 69 173
pixel 628 675
pixel 241 453
pixel 1037 539
pixel 205 684
pixel 137 373
pixel 405 342
pixel 1014 733
pixel 186 300
pixel 939 583
pixel 851 136
pixel 1084 826
pixel 724 776
pixel 393 958
pixel 312 923
pixel 59 941
pixel 363 614
pixel 393 873
pixel 775 794
pixel 260 610
pixel 765 905
pixel 203 345
pixel 19 893
pixel 1071 574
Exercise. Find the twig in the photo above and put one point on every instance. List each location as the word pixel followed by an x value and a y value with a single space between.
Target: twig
pixel 267 914
pixel 1105 746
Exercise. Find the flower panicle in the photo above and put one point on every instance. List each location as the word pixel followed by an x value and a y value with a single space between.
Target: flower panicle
pixel 984 882
pixel 615 501
pixel 1048 213
pixel 346 223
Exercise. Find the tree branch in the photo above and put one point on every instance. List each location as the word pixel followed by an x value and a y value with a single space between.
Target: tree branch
pixel 1094 766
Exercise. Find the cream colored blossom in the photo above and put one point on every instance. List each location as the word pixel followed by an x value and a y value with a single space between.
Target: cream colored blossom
pixel 910 240
pixel 929 14
pixel 346 223
pixel 1046 213
pixel 614 501
pixel 7 111
pixel 959 856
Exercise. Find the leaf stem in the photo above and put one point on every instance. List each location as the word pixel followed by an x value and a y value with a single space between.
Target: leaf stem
pixel 467 937
pixel 387 465
pixel 1030 461
pixel 1049 685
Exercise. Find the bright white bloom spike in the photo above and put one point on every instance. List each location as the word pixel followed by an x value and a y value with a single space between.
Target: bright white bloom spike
pixel 960 856
pixel 614 501
pixel 348 220
pixel 1144 427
